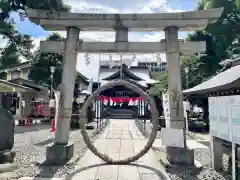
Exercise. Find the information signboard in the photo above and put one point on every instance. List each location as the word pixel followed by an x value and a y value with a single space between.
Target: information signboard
pixel 224 117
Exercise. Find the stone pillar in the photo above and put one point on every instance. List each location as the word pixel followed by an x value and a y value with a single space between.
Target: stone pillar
pixel 216 153
pixel 121 35
pixel 176 155
pixel 62 151
pixel 19 110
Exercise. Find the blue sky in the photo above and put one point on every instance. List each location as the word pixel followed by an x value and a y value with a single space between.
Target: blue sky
pixel 110 6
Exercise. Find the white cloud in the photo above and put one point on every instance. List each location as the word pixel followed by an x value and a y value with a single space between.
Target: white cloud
pixel 3 42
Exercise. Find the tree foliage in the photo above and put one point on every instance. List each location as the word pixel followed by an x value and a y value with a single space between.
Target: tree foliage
pixel 195 75
pixel 22 43
pixel 40 71
pixel 222 42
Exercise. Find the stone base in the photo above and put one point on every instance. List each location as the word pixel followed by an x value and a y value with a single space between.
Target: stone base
pixel 59 154
pixel 35 178
pixel 8 167
pixel 180 156
pixel 7 157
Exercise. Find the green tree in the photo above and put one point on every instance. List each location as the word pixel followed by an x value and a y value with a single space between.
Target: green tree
pixel 222 38
pixel 193 62
pixel 7 29
pixel 40 71
pixel 162 84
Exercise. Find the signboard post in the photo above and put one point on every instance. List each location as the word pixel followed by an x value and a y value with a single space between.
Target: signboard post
pixel 186 107
pixel 168 133
pixel 166 108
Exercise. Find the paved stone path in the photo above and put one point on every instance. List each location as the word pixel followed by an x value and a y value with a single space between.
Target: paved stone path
pixel 121 139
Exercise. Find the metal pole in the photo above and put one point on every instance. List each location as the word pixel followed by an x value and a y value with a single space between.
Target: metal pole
pixel 187 81
pixel 161 66
pixel 234 177
pixel 187 73
pixel 121 75
pixel 99 60
pixel 52 69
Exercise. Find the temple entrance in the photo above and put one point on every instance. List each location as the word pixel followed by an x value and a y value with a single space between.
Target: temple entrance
pixel 144 97
pixel 121 102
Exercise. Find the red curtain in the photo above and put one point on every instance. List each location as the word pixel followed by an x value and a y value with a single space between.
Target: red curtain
pixel 119 99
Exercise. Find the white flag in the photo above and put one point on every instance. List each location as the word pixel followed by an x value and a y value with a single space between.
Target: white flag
pixel 105 102
pixel 111 102
pixel 136 103
pixel 130 103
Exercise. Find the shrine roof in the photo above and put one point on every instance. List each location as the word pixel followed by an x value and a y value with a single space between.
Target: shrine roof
pixel 142 75
pixel 13 87
pixel 17 66
pixel 223 81
pixel 29 83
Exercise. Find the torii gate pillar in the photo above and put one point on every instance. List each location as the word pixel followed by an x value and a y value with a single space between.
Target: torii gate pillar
pixel 175 155
pixel 62 150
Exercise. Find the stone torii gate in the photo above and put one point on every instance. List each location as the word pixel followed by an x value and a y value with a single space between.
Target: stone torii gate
pixel 62 150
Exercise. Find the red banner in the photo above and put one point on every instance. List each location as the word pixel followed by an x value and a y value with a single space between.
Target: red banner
pixel 119 99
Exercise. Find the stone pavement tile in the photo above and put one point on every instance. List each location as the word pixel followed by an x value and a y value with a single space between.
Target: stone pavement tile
pixel 115 136
pixel 89 160
pixel 125 131
pixel 88 174
pixel 138 145
pixel 114 156
pixel 108 172
pixel 117 132
pixel 150 177
pixel 35 178
pixel 137 137
pixel 126 149
pixel 113 149
pixel 128 172
pixel 193 144
pixel 126 136
pixel 117 129
pixel 101 145
pixel 113 142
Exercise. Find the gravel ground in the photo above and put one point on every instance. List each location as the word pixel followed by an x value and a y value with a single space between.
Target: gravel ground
pixel 201 155
pixel 30 144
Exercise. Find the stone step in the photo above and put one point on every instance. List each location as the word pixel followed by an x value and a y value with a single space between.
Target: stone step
pixel 36 178
pixel 191 144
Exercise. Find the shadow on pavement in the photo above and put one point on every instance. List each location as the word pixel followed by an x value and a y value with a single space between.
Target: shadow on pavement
pixel 31 128
pixel 47 171
pixel 155 171
pixel 43 143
